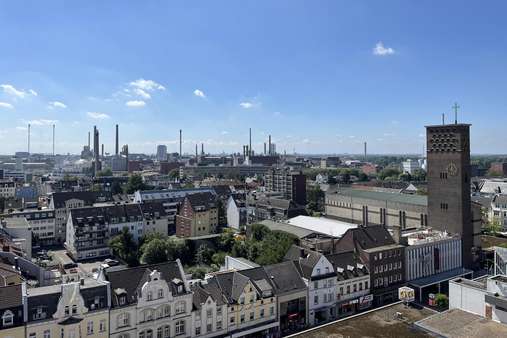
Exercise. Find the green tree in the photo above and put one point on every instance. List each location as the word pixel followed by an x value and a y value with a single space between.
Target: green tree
pixel 441 300
pixel 198 272
pixel 493 227
pixel 315 197
pixel 419 175
pixel 203 255
pixel 174 174
pixel 226 240
pixel 154 251
pixel 135 183
pixel 258 231
pixel 178 248
pixel 218 258
pixel 124 247
pixel 105 172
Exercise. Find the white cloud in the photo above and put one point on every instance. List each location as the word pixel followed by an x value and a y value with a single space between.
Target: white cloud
pixel 142 93
pixel 135 103
pixel 97 116
pixel 57 104
pixel 381 50
pixel 147 85
pixel 246 105
pixel 224 132
pixel 41 122
pixel 17 93
pixel 6 105
pixel 199 93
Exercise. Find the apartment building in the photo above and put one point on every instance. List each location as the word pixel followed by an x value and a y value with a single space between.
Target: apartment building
pixel 149 301
pixel 42 222
pixel 320 278
pixel 382 256
pixel 352 283
pixel 7 189
pixel 292 184
pixel 260 208
pixel 78 309
pixel 198 215
pixel 251 303
pixel 63 202
pixel 498 210
pixel 236 211
pixel 12 323
pixel 209 315
pixel 89 229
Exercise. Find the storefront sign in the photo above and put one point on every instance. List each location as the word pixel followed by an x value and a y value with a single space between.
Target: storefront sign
pixel 365 301
pixel 406 294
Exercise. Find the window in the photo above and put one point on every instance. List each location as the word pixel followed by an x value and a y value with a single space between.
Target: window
pixel 8 318
pixel 167 331
pixel 348 289
pixel 316 299
pixel 242 299
pixel 160 293
pixel 89 328
pixel 197 331
pixel 47 334
pixel 167 311
pixel 32 335
pixel 67 311
pixel 366 285
pixel 316 284
pixel 242 319
pixel 262 313
pixel 123 319
pixel 232 320
pixel 341 290
pixel 102 325
pixel 251 316
pixel 355 287
pixel 271 311
pixel 219 311
pixel 74 309
pixel 209 327
pixel 219 325
pixel 209 313
pixel 327 269
pixel 318 271
pixel 180 327
pixel 149 295
pixel 180 307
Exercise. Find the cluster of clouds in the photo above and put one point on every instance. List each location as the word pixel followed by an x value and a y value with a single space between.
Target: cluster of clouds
pixel 140 91
pixel 381 50
pixel 14 94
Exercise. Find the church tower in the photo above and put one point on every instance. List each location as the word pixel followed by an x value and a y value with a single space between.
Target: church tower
pixel 449 204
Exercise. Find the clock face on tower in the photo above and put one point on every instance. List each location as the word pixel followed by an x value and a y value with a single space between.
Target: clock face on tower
pixel 452 169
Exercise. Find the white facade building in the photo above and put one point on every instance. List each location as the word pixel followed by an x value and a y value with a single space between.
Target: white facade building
pixel 410 166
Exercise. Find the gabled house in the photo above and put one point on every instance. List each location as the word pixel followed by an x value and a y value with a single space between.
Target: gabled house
pixel 198 215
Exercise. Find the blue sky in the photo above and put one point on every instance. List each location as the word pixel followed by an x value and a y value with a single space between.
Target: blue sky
pixel 320 76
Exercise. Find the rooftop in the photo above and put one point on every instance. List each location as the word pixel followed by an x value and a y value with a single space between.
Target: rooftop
pixel 322 225
pixel 382 196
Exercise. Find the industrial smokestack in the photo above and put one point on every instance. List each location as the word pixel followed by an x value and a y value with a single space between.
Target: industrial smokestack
pixel 180 143
pixel 269 142
pixel 28 138
pixel 102 150
pixel 365 151
pixel 264 148
pixel 202 148
pixel 53 140
pixel 250 142
pixel 88 140
pixel 117 141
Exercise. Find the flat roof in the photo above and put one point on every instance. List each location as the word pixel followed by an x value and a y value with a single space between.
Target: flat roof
pixel 457 323
pixel 323 225
pixel 441 277
pixel 384 196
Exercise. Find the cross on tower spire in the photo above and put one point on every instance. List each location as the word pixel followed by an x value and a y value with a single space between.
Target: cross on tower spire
pixel 456 107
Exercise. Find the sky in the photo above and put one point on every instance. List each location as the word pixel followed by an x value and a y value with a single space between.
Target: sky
pixel 319 76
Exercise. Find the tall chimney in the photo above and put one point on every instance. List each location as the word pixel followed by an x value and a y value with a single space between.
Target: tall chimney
pixel 264 148
pixel 88 140
pixel 365 153
pixel 202 148
pixel 102 150
pixel 180 143
pixel 196 155
pixel 117 141
pixel 250 142
pixel 53 140
pixel 28 138
pixel 269 142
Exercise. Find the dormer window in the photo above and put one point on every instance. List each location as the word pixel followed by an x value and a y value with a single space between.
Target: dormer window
pixel 67 311
pixel 160 293
pixel 74 309
pixel 8 318
pixel 318 271
pixel 149 295
pixel 122 300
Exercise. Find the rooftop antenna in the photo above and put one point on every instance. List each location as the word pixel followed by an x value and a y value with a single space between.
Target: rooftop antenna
pixel 455 107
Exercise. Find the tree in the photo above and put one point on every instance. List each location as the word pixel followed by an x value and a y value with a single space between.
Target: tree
pixel 154 251
pixel 198 272
pixel 391 173
pixel 174 174
pixel 441 300
pixel 203 255
pixel 419 175
pixel 105 172
pixel 493 227
pixel 124 247
pixel 315 198
pixel 135 183
pixel 258 231
pixel 226 240
pixel 218 258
